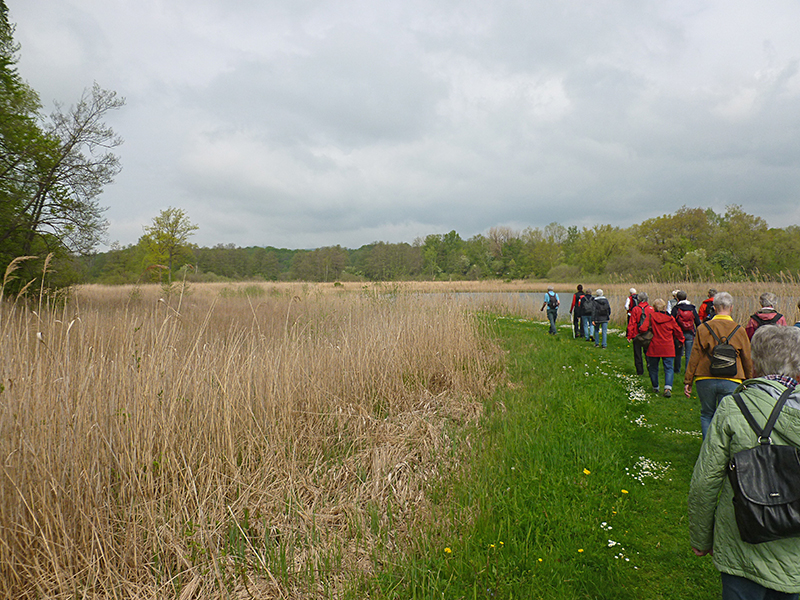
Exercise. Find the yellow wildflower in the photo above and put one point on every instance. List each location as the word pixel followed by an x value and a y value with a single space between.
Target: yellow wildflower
pixel 587 472
pixel 624 491
pixel 448 551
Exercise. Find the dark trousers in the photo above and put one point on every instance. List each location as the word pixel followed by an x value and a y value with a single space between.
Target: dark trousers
pixel 739 588
pixel 638 350
pixel 577 325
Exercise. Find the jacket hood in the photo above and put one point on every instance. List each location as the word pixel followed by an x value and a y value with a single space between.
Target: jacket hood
pixel 660 317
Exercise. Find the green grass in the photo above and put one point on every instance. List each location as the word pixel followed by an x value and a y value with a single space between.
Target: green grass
pixel 539 511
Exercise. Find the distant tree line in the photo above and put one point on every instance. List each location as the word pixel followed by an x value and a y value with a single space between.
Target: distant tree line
pixel 691 244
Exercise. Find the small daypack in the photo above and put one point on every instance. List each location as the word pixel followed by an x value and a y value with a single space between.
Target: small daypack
pixel 644 337
pixel 685 319
pixel 587 305
pixel 766 483
pixel 603 309
pixel 710 310
pixel 552 300
pixel 723 355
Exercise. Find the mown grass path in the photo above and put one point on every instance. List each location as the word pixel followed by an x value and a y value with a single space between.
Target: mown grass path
pixel 576 486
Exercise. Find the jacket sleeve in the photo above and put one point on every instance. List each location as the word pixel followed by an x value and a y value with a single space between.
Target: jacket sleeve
pixel 696 318
pixel 677 332
pixel 633 322
pixel 744 354
pixel 694 357
pixel 707 481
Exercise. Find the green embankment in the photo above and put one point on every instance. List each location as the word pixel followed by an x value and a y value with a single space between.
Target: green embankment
pixel 576 486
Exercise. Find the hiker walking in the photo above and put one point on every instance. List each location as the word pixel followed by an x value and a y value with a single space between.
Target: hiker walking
pixel 706 310
pixel 685 314
pixel 712 386
pixel 601 314
pixel 552 303
pixel 661 349
pixel 768 569
pixel 638 324
pixel 587 312
pixel 575 311
pixel 766 316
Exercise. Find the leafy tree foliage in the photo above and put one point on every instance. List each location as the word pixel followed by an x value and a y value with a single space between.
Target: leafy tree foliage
pixel 167 238
pixel 52 171
pixel 693 243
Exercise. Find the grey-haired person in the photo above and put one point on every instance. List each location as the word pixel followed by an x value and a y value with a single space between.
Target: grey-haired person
pixel 769 569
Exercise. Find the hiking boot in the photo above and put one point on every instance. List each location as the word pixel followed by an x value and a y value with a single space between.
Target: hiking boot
pixel 667 393
pixel 656 391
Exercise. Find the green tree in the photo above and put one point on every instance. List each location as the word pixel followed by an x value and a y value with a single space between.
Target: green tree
pixel 167 238
pixel 52 172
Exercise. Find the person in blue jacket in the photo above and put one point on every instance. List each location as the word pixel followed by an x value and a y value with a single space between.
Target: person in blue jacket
pixel 551 302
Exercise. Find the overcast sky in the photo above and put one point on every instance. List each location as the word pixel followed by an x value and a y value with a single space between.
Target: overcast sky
pixel 302 124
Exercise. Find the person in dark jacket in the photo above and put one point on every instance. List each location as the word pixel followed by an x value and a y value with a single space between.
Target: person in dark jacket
pixel 662 347
pixel 685 314
pixel 601 314
pixel 633 330
pixel 587 310
pixel 770 569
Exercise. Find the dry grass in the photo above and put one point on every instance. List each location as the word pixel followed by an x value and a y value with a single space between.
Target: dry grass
pixel 234 440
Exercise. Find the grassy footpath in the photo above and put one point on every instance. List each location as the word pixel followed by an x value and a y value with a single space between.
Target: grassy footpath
pixel 577 486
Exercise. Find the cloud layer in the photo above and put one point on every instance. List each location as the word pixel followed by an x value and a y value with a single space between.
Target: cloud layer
pixel 304 124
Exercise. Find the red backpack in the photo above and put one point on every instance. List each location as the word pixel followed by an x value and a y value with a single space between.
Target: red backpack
pixel 685 319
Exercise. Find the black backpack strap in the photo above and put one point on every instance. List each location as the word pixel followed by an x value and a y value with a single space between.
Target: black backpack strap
pixel 730 335
pixel 716 339
pixel 763 434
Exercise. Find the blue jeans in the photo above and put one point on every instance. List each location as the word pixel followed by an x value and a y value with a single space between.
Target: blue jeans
pixel 588 327
pixel 669 373
pixel 683 349
pixel 601 327
pixel 710 392
pixel 552 315
pixel 739 588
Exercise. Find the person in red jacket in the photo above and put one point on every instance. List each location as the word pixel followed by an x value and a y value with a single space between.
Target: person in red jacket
pixel 706 310
pixel 633 330
pixel 666 332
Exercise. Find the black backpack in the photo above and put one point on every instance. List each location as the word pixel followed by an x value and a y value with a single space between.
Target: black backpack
pixel 710 310
pixel 723 355
pixel 766 483
pixel 762 321
pixel 552 300
pixel 587 305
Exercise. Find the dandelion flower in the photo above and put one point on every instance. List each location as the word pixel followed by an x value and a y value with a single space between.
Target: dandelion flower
pixel 448 551
pixel 491 545
pixel 624 491
pixel 580 549
pixel 587 472
pixel 540 560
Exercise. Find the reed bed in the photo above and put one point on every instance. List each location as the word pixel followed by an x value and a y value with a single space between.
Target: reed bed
pixel 225 441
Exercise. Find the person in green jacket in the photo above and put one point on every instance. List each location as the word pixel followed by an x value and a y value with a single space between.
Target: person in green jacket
pixel 770 569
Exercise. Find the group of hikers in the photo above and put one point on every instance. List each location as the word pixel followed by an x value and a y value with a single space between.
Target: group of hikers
pixel 745 378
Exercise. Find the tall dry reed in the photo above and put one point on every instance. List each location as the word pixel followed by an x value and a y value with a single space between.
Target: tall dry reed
pixel 257 439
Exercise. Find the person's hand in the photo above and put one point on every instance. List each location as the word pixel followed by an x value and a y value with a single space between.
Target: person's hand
pixel 702 552
pixel 687 390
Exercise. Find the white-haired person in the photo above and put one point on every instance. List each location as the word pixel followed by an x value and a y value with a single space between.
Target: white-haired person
pixel 768 569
